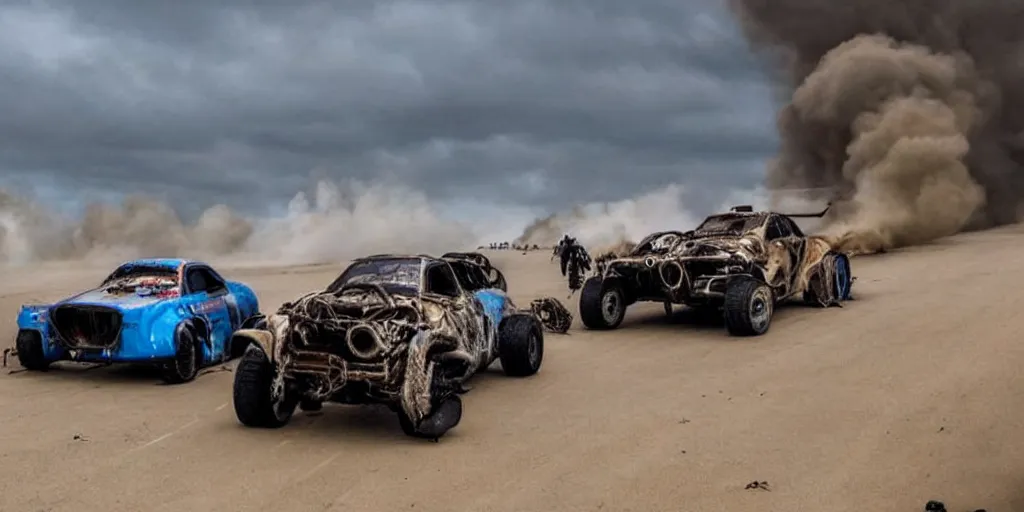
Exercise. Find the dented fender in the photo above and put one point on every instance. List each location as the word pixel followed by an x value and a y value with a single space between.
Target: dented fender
pixel 261 338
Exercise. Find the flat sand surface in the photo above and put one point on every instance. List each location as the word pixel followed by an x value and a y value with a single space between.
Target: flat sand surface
pixel 911 392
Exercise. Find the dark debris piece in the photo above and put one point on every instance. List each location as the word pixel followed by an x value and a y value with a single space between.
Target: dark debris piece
pixel 222 368
pixel 553 315
pixel 762 485
pixel 9 352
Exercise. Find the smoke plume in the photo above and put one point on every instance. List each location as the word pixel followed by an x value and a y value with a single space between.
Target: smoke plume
pixel 909 114
pixel 610 224
pixel 338 222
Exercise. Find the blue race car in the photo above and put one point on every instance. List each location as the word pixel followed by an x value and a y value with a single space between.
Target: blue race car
pixel 177 314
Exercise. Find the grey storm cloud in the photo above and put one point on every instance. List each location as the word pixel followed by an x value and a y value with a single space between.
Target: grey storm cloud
pixel 231 101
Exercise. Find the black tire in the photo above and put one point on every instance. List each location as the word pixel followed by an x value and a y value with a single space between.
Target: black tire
pixel 252 396
pixel 29 345
pixel 520 345
pixel 187 358
pixel 839 287
pixel 844 278
pixel 602 304
pixel 748 308
pixel 445 416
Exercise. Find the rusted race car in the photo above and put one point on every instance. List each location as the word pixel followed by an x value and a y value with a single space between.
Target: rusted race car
pixel 404 331
pixel 742 262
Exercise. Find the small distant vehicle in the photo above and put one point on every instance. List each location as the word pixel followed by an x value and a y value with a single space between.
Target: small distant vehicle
pixel 176 314
pixel 741 263
pixel 405 331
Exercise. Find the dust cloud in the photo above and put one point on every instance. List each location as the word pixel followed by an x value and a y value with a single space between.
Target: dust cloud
pixel 611 224
pixel 336 223
pixel 910 114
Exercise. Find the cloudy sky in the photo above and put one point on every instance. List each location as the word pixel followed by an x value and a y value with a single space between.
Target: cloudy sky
pixel 533 102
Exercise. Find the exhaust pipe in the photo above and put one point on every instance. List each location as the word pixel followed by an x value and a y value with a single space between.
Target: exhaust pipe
pixel 364 342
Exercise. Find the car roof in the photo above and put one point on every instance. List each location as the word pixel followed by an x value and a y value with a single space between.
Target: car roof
pixel 385 257
pixel 759 216
pixel 168 263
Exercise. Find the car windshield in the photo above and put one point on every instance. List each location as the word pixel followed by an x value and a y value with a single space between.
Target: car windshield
pixel 400 275
pixel 728 224
pixel 141 278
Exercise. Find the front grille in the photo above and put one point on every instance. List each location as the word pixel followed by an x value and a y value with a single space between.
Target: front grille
pixel 85 327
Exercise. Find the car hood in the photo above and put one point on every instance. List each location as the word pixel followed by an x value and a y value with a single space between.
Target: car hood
pixel 719 246
pixel 121 300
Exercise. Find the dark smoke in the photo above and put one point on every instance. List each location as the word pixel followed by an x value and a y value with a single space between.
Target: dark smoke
pixel 910 113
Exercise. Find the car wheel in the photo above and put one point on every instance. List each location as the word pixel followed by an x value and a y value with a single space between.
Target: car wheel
pixel 748 308
pixel 520 345
pixel 187 356
pixel 843 277
pixel 837 289
pixel 444 417
pixel 254 402
pixel 29 345
pixel 602 304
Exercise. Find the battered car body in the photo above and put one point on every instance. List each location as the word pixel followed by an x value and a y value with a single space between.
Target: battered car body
pixel 174 313
pixel 404 331
pixel 744 262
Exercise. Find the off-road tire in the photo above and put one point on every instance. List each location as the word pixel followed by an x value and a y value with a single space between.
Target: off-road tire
pixel 840 286
pixel 188 356
pixel 410 430
pixel 520 345
pixel 842 290
pixel 252 398
pixel 748 307
pixel 29 345
pixel 598 311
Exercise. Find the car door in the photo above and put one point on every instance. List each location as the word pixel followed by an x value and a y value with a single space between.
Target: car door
pixel 791 243
pixel 211 304
pixel 780 265
pixel 490 300
pixel 441 281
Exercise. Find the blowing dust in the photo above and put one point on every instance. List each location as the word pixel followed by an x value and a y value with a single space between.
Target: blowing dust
pixel 336 223
pixel 607 226
pixel 910 114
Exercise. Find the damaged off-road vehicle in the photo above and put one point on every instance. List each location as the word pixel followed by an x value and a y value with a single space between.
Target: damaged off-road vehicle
pixel 403 331
pixel 742 262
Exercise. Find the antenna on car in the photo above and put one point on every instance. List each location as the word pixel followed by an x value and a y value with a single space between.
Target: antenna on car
pixel 811 215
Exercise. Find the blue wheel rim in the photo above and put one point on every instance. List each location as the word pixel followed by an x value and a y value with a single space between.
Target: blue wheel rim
pixel 842 274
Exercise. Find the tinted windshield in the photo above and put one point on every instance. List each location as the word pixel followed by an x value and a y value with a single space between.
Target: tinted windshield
pixel 728 224
pixel 395 275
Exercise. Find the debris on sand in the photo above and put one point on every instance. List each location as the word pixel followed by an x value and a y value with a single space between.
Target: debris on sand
pixel 9 352
pixel 758 485
pixel 938 506
pixel 553 314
